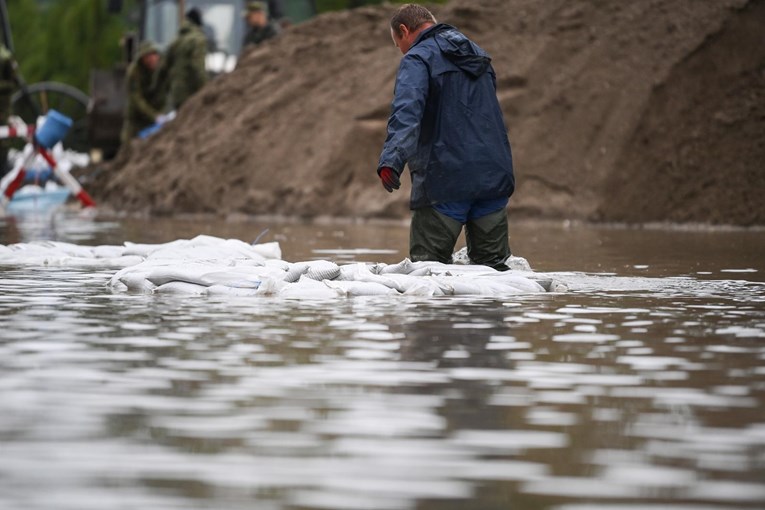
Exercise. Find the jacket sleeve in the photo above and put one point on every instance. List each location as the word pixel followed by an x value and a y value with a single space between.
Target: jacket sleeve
pixel 140 103
pixel 160 86
pixel 198 51
pixel 409 98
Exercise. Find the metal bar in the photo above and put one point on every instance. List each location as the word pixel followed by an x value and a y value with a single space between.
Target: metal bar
pixel 18 179
pixel 7 37
pixel 181 11
pixel 67 178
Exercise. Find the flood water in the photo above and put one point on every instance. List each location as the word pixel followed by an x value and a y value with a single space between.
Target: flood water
pixel 641 388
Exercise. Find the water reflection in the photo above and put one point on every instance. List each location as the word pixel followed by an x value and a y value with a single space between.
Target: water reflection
pixel 631 391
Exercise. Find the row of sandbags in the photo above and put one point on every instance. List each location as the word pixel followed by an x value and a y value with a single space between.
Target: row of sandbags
pixel 60 254
pixel 322 279
pixel 209 265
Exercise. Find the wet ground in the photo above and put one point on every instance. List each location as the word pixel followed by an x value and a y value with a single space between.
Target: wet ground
pixel 640 388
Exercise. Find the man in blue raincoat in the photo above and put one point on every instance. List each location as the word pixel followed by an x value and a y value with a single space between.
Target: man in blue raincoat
pixel 446 124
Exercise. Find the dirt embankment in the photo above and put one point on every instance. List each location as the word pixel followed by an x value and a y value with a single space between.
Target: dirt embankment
pixel 635 111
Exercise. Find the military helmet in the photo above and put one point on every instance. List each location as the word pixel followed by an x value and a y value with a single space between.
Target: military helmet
pixel 146 48
pixel 256 5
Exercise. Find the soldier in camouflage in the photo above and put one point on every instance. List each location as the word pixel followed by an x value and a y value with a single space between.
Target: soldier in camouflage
pixel 8 85
pixel 144 101
pixel 259 26
pixel 183 72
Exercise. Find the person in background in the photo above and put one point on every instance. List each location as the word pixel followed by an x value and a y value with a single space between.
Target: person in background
pixel 183 72
pixel 446 124
pixel 259 27
pixel 144 102
pixel 8 85
pixel 276 11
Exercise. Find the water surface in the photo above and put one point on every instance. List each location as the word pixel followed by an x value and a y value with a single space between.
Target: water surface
pixel 640 388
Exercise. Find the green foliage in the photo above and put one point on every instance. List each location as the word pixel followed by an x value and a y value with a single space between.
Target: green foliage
pixel 337 5
pixel 62 40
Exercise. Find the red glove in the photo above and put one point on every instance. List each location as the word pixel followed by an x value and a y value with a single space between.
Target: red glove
pixel 389 179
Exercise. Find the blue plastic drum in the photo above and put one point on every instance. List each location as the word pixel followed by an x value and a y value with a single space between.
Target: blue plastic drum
pixel 53 130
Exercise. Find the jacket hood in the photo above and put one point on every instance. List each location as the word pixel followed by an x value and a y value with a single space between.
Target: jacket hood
pixel 458 49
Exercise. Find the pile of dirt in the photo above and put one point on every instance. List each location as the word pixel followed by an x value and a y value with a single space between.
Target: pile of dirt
pixel 637 111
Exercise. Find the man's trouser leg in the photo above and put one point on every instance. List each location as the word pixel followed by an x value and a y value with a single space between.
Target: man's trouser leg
pixel 487 241
pixel 432 236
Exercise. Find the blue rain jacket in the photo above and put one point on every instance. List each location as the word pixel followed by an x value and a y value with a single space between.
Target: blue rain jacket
pixel 446 122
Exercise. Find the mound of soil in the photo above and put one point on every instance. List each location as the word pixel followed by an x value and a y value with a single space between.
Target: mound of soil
pixel 636 111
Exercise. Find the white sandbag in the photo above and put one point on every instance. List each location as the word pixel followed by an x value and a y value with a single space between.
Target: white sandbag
pixel 37 253
pixel 114 281
pixel 37 260
pixel 144 250
pixel 461 256
pixel 427 286
pixel 119 287
pixel 235 246
pixel 294 272
pixel 423 271
pixel 181 288
pixel 403 267
pixel 268 250
pixel 517 263
pixel 360 273
pixel 141 269
pixel 322 270
pixel 252 262
pixel 271 287
pixel 353 289
pixel 241 271
pixel 73 250
pixel 120 262
pixel 437 268
pixel 405 281
pixel 135 283
pixel 188 253
pixel 348 272
pixel 225 290
pixel 308 288
pixel 88 262
pixel 277 264
pixel 108 252
pixel 189 272
pixel 230 279
pixel 463 286
pixel 521 283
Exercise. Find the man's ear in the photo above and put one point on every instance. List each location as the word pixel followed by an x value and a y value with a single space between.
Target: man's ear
pixel 403 30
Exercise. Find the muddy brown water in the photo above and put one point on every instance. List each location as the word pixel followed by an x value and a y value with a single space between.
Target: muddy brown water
pixel 641 388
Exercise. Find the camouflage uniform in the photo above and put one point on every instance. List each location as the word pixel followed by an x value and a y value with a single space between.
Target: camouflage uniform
pixel 183 71
pixel 257 35
pixel 144 101
pixel 7 87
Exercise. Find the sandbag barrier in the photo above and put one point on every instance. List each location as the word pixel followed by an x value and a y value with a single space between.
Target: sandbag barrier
pixel 213 266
